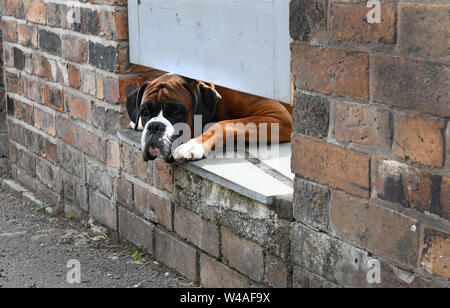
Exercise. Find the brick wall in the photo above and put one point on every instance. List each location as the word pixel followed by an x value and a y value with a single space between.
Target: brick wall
pixel 371 150
pixel 67 74
pixel 4 144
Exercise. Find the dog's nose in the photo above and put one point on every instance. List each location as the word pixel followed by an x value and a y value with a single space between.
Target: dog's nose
pixel 156 127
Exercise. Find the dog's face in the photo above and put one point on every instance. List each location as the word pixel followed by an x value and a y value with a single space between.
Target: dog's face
pixel 162 104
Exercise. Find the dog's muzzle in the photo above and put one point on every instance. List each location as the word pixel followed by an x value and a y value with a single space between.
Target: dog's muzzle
pixel 157 139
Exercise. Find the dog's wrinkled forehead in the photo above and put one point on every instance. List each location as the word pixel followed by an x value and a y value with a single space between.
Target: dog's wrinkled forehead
pixel 168 88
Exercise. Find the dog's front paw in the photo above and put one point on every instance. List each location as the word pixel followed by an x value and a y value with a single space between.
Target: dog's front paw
pixel 192 150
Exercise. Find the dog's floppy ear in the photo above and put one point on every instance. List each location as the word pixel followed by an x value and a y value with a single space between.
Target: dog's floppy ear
pixel 206 99
pixel 133 104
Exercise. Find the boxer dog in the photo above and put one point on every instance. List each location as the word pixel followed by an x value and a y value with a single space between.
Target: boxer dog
pixel 158 106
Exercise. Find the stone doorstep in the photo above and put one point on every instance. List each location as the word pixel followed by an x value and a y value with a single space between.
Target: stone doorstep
pixel 265 182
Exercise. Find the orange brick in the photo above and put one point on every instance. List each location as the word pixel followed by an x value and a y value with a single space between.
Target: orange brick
pixel 77 107
pixel 331 71
pixel 74 77
pixel 436 253
pixel 363 124
pixel 331 165
pixel 348 22
pixel 419 139
pixel 36 11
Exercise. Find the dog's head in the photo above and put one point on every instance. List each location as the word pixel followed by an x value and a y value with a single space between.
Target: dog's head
pixel 160 105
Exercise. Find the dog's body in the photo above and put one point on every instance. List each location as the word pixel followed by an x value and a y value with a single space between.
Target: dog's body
pixel 171 99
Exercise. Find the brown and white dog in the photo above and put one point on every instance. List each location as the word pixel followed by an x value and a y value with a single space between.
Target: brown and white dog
pixel 157 107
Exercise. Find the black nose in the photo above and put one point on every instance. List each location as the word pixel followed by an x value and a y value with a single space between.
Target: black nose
pixel 156 127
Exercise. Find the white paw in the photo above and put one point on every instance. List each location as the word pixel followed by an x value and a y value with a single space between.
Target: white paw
pixel 192 150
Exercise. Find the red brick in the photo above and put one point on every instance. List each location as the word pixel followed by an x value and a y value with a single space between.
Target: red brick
pixel 331 71
pixel 114 25
pixel 375 228
pixel 45 121
pixel 348 22
pixel 393 84
pixel 12 82
pixel 36 11
pixel 74 77
pixel 153 207
pixel 363 124
pixel 214 274
pixel 197 230
pixel 424 28
pixel 42 67
pixel 77 107
pixel 50 151
pixel 243 255
pixel 163 175
pixel 27 35
pixel 52 97
pixel 92 144
pixel 113 153
pixel 67 131
pixel 331 165
pixel 24 112
pixel 9 31
pixel 436 253
pixel 136 230
pixel 419 139
pixel 176 254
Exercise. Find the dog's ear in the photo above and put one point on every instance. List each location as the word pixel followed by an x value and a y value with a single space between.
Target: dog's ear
pixel 206 99
pixel 133 103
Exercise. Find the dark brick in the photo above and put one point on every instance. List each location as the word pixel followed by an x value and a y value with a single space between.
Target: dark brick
pixel 424 28
pixel 311 204
pixel 19 59
pixel 311 115
pixel 411 83
pixel 308 19
pixel 102 56
pixel 50 42
pixel 306 280
pixel 379 229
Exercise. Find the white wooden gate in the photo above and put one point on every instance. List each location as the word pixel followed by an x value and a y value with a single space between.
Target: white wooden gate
pixel 240 44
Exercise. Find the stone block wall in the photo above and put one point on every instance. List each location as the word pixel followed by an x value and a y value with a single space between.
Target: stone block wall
pixel 371 143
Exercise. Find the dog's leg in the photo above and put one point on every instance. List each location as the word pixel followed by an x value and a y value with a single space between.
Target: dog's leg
pixel 199 147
